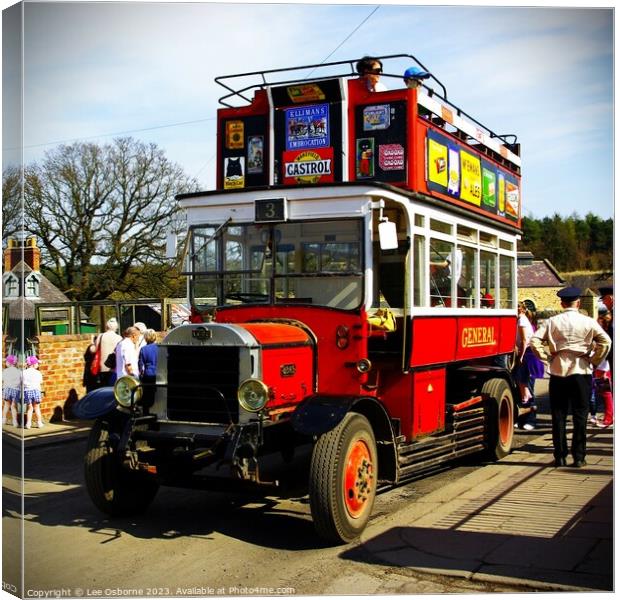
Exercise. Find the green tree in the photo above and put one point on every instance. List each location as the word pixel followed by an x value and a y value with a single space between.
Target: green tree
pixel 571 243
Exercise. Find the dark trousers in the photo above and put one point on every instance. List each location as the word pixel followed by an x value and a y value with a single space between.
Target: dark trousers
pixel 569 392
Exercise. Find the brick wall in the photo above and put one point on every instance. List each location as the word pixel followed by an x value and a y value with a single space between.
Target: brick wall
pixel 62 367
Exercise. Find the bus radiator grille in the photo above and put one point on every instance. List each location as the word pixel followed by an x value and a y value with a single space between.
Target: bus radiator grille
pixel 198 377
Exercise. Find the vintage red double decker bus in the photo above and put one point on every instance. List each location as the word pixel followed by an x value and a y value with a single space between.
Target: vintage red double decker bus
pixel 353 291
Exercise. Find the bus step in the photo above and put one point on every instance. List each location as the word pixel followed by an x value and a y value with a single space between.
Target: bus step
pixel 437 461
pixel 445 447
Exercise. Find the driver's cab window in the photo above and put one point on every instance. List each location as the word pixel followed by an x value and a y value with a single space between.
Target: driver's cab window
pixel 389 273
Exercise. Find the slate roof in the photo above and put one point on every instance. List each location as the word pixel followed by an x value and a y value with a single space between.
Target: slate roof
pixel 538 274
pixel 25 307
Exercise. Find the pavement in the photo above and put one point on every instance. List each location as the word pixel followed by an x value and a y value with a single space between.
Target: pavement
pixel 519 521
pixel 50 433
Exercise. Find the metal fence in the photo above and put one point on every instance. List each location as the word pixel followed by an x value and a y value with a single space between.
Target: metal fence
pixel 62 318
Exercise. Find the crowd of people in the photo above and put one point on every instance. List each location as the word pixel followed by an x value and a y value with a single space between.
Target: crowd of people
pixel 108 357
pixel 111 356
pixel 575 347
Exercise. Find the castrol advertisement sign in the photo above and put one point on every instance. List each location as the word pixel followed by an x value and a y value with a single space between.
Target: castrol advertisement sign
pixel 308 166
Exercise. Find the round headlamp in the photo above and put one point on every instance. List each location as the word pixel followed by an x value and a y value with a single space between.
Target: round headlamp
pixel 124 392
pixel 253 395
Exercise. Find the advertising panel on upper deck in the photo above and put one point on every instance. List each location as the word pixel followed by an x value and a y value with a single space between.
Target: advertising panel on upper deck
pixel 307 127
pixel 458 172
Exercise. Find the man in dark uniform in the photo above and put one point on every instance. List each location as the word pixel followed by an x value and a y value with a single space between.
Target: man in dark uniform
pixel 575 343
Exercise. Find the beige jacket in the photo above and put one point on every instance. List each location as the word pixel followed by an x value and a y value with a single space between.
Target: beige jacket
pixel 108 341
pixel 571 343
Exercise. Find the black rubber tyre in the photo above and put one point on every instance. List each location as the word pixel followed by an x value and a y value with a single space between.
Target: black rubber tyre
pixel 500 418
pixel 114 490
pixel 343 479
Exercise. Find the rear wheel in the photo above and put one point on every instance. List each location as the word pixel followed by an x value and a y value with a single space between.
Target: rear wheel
pixel 500 417
pixel 113 489
pixel 343 479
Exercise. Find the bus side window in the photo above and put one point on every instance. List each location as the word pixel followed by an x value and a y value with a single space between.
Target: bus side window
pixel 440 272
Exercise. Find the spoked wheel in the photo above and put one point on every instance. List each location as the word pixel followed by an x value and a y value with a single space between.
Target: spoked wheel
pixel 343 479
pixel 500 418
pixel 114 490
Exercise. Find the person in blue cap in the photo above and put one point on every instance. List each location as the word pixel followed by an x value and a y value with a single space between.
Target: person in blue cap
pixel 573 344
pixel 414 76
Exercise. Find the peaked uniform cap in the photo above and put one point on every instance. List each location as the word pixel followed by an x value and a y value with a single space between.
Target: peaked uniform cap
pixel 569 293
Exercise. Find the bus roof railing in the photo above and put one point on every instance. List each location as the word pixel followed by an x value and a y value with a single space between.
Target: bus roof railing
pixel 269 77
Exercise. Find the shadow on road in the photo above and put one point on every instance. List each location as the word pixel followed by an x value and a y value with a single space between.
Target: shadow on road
pixel 536 559
pixel 174 513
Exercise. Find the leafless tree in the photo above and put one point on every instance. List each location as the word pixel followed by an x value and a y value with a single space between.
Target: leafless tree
pixel 11 202
pixel 101 214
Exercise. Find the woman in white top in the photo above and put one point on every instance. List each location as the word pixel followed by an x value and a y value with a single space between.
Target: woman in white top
pixel 529 367
pixel 32 380
pixel 11 388
pixel 127 353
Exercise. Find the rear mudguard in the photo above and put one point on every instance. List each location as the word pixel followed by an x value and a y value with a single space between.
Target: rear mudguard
pixel 95 404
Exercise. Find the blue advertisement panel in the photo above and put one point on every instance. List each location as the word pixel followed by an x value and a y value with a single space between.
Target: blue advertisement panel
pixel 307 127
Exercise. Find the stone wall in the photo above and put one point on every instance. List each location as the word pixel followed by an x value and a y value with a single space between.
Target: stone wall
pixel 544 299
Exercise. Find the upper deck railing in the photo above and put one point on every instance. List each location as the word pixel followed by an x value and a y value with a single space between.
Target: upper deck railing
pixel 237 85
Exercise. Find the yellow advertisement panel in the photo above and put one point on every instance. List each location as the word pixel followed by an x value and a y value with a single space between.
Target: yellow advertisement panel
pixel 471 178
pixel 501 192
pixel 437 163
pixel 234 135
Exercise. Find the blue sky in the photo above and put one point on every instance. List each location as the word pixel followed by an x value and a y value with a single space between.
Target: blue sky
pixel 92 70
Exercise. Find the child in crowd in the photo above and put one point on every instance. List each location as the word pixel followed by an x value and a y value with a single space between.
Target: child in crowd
pixel 11 388
pixel 32 380
pixel 602 378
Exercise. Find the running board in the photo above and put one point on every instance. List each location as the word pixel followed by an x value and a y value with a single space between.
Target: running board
pixel 466 437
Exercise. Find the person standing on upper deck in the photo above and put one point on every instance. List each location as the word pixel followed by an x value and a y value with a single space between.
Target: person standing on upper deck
pixel 369 70
pixel 413 77
pixel 576 343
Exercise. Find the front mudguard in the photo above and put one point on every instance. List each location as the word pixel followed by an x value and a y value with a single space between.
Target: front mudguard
pixel 319 414
pixel 95 404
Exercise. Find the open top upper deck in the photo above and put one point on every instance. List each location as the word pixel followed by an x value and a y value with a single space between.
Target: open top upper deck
pixel 302 130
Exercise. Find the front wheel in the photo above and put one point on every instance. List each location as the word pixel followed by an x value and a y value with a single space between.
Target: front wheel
pixel 113 489
pixel 500 418
pixel 343 479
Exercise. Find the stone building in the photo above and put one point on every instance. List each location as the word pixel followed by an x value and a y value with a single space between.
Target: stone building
pixel 23 287
pixel 538 282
